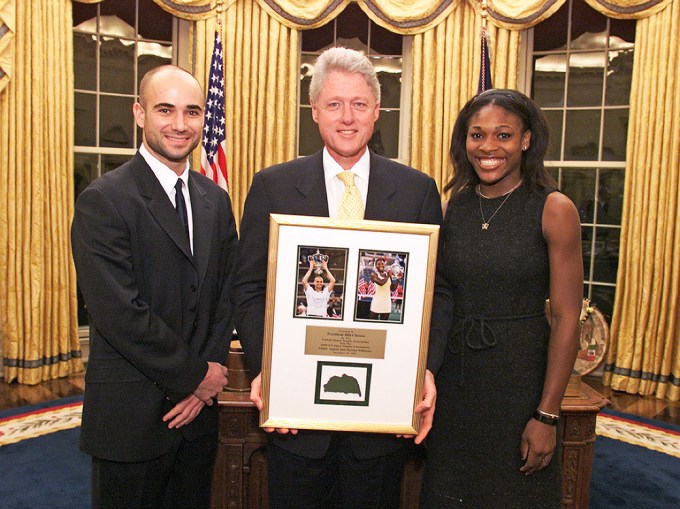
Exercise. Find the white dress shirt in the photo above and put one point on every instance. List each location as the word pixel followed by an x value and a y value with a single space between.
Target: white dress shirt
pixel 168 180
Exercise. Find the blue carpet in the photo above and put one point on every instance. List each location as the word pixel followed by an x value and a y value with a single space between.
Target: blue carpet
pixel 627 476
pixel 50 471
pixel 46 472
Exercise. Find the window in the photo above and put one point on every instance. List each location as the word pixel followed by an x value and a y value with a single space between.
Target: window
pixel 352 29
pixel 580 77
pixel 114 44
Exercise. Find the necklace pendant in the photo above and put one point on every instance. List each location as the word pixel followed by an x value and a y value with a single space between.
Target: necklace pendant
pixel 485 226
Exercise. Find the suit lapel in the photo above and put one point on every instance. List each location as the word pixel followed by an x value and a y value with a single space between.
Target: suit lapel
pixel 203 217
pixel 311 185
pixel 159 205
pixel 381 190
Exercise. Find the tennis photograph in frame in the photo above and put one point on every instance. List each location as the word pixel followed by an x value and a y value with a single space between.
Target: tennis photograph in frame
pixel 333 369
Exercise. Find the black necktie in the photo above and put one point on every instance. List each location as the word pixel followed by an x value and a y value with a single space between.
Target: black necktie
pixel 181 206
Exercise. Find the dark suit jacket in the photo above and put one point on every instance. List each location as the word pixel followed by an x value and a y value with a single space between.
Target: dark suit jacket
pixel 157 312
pixel 395 193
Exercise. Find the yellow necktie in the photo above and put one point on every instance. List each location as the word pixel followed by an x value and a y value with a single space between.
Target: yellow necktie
pixel 351 205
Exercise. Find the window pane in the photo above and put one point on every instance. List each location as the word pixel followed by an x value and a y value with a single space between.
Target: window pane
pixel 85 119
pixel 150 55
pixel 611 196
pixel 586 248
pixel 85 61
pixel 310 139
pixel 619 77
pixel 117 66
pixel 579 185
pixel 385 140
pixel 154 22
pixel 606 254
pixel 603 298
pixel 582 135
pixel 554 119
pixel 389 76
pixel 116 123
pixel 584 21
pixel 319 38
pixel 615 134
pixel 551 34
pixel 118 18
pixel 623 29
pixel 84 171
pixel 586 76
pixel 83 13
pixel 111 162
pixel 352 28
pixel 306 72
pixel 385 42
pixel 548 80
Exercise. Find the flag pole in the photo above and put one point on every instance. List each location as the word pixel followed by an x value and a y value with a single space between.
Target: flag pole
pixel 485 63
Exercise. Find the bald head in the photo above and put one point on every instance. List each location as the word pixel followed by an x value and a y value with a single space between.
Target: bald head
pixel 164 74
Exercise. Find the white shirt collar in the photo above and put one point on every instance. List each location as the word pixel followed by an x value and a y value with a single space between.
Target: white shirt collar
pixel 361 169
pixel 164 174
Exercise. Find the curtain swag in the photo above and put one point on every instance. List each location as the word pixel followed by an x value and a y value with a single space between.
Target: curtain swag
pixel 410 17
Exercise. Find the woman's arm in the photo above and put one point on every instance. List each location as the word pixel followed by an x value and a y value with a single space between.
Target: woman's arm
pixel 562 233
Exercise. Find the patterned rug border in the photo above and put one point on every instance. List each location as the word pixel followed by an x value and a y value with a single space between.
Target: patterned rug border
pixel 31 422
pixel 635 432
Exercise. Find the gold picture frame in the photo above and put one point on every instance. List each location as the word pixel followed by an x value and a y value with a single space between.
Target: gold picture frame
pixel 346 370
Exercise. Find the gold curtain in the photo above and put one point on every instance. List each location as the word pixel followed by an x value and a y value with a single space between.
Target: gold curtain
pixel 414 16
pixel 644 354
pixel 37 278
pixel 629 9
pixel 7 26
pixel 261 73
pixel 446 63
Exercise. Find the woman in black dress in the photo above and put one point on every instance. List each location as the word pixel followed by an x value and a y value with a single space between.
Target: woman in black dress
pixel 510 240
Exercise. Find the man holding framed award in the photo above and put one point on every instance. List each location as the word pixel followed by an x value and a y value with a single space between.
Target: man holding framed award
pixel 318 468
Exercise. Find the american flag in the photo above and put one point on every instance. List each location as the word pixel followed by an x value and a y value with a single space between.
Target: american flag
pixel 213 151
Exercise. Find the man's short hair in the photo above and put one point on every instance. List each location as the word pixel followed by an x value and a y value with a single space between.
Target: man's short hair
pixel 343 60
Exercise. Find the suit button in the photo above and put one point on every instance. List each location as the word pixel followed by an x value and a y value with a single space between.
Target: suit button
pixel 193 288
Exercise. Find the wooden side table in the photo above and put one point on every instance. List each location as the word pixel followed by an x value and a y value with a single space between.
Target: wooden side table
pixel 240 477
pixel 579 413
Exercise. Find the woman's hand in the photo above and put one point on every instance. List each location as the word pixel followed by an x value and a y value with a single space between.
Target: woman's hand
pixel 538 446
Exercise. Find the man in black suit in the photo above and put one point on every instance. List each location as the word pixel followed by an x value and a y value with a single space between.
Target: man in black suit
pixel 318 468
pixel 154 246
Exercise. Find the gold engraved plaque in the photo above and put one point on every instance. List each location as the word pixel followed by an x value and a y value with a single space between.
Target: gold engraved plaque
pixel 345 342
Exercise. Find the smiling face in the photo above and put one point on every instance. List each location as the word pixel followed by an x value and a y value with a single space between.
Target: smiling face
pixel 170 113
pixel 380 265
pixel 494 144
pixel 318 283
pixel 346 111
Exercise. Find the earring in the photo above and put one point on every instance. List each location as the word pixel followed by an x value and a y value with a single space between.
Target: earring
pixel 524 147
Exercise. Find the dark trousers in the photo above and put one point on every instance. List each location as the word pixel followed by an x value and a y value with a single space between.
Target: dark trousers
pixel 339 480
pixel 179 479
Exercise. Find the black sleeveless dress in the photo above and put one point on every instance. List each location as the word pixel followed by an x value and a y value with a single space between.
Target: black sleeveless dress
pixel 492 374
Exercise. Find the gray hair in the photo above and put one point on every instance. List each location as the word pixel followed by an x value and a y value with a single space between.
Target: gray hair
pixel 343 60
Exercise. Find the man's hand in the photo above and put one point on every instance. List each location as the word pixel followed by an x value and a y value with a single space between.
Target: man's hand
pixel 426 407
pixel 184 412
pixel 256 398
pixel 214 381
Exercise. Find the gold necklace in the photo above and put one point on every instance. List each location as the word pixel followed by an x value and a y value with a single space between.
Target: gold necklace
pixel 485 222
